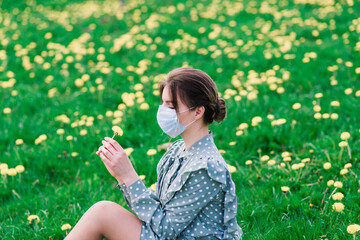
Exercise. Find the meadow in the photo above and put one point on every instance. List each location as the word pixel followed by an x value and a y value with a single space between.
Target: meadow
pixel 289 71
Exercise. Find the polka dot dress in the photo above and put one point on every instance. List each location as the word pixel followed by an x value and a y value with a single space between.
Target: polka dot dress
pixel 194 198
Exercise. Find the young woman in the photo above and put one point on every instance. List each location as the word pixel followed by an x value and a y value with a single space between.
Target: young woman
pixel 195 195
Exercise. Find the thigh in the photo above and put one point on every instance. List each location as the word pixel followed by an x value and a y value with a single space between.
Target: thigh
pixel 116 222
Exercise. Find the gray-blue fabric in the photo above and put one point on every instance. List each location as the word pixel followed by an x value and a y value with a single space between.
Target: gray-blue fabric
pixel 194 198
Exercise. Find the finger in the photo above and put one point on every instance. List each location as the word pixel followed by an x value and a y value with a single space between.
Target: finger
pixel 114 143
pixel 108 146
pixel 106 152
pixel 104 158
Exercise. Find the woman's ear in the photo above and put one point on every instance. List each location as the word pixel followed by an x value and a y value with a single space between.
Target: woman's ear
pixel 199 111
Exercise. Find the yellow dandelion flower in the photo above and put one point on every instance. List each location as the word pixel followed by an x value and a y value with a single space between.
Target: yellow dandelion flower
pixel 69 138
pixel 317 116
pixel 334 116
pixel 222 151
pixel 19 141
pixel 305 160
pixel 248 162
pixel 128 151
pixel 232 169
pixel 270 117
pixel 138 87
pixel 338 206
pixel 12 172
pixel 151 152
pixel 344 171
pixel 272 162
pixel 83 132
pixel 285 154
pixel 319 95
pixel 357 94
pixel 285 188
pixel 142 177
pixel 4 166
pixel 153 187
pixel 353 228
pixel 338 196
pixel 287 159
pixel 144 106
pixel 280 90
pixel 109 113
pixel 348 91
pixel 63 118
pixel 335 103
pixel 243 126
pixel 338 184
pixel 20 168
pixel 163 146
pixel 296 106
pixel 282 164
pixel 345 135
pixel 74 154
pixel 327 165
pixel 232 143
pixel 117 131
pixel 348 165
pixel 32 218
pixel 330 183
pixel 256 120
pixel 239 133
pixel 7 110
pixel 325 115
pixel 60 131
pixel 295 166
pixel 317 108
pixel 343 144
pixel 100 87
pixel 65 227
pixel 40 139
pixel 79 82
pixel 264 158
pixel 4 171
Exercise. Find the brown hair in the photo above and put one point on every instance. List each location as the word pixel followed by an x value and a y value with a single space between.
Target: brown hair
pixel 195 88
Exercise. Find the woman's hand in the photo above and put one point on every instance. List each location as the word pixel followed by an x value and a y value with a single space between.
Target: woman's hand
pixel 117 162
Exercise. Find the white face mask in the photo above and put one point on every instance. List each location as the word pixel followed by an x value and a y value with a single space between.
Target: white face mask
pixel 168 121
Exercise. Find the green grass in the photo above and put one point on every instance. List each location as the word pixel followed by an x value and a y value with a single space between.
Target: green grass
pixel 303 47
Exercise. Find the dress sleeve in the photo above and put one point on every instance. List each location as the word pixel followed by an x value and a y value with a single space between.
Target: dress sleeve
pixel 125 193
pixel 170 220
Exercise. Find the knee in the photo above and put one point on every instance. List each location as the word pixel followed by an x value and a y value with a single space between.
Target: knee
pixel 103 206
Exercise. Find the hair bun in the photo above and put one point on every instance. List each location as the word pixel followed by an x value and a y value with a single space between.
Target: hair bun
pixel 220 110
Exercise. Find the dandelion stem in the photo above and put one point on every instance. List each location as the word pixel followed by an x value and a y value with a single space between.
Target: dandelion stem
pixel 16 194
pixel 340 154
pixel 333 192
pixel 349 151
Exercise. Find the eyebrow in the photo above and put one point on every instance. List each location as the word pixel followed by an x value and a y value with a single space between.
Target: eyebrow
pixel 168 102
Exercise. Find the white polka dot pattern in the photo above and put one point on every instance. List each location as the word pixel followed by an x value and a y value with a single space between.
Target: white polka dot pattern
pixel 194 198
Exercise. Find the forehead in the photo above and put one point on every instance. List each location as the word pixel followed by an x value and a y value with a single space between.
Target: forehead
pixel 167 96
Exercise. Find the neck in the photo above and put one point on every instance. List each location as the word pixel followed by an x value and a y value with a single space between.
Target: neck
pixel 194 133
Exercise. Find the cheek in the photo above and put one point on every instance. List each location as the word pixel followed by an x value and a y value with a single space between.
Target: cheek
pixel 184 119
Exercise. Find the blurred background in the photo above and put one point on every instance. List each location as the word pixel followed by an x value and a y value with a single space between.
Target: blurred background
pixel 288 71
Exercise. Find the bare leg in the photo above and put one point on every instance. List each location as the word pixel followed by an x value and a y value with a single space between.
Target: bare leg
pixel 108 220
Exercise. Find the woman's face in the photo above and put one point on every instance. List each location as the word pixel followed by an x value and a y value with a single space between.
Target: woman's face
pixel 184 117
